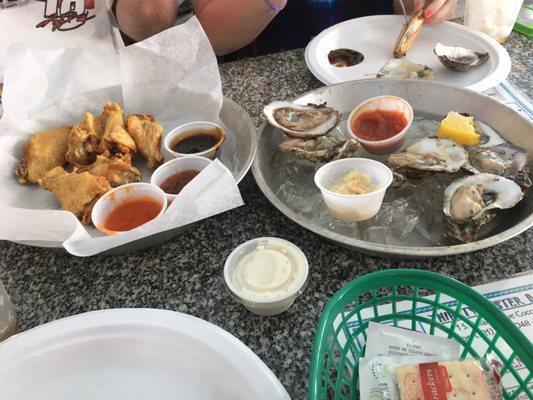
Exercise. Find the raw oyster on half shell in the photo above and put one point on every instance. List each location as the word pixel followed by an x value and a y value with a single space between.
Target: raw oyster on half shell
pixel 430 155
pixel 299 121
pixel 504 159
pixel 471 202
pixel 321 149
pixel 405 69
pixel 458 58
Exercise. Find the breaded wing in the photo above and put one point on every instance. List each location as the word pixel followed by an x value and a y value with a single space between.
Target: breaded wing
pixel 147 135
pixel 84 140
pixel 115 140
pixel 77 192
pixel 118 171
pixel 42 152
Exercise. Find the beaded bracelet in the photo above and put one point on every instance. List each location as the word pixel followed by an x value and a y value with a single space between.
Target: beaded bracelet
pixel 275 7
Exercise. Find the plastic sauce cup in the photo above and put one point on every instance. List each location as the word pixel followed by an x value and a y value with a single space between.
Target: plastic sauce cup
pixel 266 275
pixel 353 207
pixel 176 165
pixel 190 129
pixel 131 191
pixel 387 103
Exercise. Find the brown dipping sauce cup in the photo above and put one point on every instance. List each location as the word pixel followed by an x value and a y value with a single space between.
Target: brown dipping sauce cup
pixel 196 129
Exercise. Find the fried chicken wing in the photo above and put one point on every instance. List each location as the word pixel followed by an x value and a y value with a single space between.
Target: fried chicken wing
pixel 42 152
pixel 77 192
pixel 118 171
pixel 115 140
pixel 147 135
pixel 84 140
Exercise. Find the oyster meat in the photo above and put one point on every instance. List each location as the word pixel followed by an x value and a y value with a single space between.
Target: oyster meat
pixel 430 155
pixel 405 69
pixel 321 149
pixel 471 202
pixel 299 121
pixel 410 31
pixel 505 159
pixel 345 57
pixel 459 58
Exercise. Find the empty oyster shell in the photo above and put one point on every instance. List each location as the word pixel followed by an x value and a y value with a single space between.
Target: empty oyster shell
pixel 459 58
pixel 408 34
pixel 345 57
pixel 431 154
pixel 321 149
pixel 303 122
pixel 405 69
pixel 505 159
pixel 471 202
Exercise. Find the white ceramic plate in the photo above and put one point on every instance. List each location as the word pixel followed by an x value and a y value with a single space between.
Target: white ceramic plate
pixel 375 37
pixel 132 354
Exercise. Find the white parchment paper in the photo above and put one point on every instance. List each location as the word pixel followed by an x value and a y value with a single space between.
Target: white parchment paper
pixel 172 75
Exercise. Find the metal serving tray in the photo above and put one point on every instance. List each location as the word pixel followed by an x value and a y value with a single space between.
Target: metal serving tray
pixel 237 154
pixel 426 97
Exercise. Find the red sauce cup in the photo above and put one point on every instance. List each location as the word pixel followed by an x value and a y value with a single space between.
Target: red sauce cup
pixel 382 103
pixel 117 196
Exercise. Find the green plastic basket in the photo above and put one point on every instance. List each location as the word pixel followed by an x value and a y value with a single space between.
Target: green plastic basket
pixel 339 340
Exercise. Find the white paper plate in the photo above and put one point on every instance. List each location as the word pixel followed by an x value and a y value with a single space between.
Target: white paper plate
pixel 375 37
pixel 132 354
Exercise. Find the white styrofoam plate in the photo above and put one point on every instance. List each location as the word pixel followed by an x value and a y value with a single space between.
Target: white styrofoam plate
pixel 375 37
pixel 132 354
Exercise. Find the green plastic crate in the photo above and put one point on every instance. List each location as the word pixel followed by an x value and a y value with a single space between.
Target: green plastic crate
pixel 334 367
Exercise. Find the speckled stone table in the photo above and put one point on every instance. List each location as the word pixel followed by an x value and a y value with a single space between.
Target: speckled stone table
pixel 185 274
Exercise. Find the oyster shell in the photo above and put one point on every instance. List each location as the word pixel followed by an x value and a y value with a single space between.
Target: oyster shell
pixel 299 121
pixel 459 58
pixel 345 57
pixel 471 202
pixel 405 69
pixel 321 149
pixel 431 155
pixel 505 159
pixel 410 31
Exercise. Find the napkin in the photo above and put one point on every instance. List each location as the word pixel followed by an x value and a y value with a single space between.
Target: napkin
pixel 78 23
pixel 47 86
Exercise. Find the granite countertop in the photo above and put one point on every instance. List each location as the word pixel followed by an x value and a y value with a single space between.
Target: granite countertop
pixel 185 274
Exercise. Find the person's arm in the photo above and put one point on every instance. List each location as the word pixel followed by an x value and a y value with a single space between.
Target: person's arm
pixel 232 24
pixel 140 19
pixel 436 11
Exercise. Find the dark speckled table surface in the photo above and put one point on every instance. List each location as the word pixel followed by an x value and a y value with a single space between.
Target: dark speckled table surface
pixel 185 274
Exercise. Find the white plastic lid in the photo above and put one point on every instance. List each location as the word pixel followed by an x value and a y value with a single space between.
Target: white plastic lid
pixel 266 270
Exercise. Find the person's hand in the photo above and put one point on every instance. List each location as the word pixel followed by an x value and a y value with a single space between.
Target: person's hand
pixel 436 11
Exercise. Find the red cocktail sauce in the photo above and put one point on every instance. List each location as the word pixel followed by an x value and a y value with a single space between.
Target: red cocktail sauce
pixel 132 213
pixel 379 124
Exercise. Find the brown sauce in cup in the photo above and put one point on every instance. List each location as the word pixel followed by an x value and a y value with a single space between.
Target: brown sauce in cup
pixel 195 141
pixel 175 183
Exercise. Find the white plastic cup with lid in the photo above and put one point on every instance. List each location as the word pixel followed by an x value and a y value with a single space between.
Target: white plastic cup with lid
pixel 266 275
pixel 353 207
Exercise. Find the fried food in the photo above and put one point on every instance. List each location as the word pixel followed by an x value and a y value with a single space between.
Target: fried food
pixel 115 140
pixel 77 192
pixel 118 171
pixel 84 140
pixel 44 151
pixel 147 135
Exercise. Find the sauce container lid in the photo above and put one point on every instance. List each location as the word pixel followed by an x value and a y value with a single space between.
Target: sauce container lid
pixel 265 272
